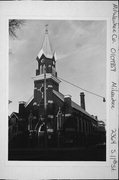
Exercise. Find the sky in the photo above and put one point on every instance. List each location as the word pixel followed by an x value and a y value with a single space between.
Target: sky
pixel 80 47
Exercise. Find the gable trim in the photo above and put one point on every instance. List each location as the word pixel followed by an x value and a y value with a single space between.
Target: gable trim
pixel 28 102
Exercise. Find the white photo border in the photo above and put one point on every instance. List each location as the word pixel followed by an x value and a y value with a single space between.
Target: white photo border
pixel 62 11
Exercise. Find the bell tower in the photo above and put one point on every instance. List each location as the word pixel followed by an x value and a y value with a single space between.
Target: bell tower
pixel 46 75
pixel 46 57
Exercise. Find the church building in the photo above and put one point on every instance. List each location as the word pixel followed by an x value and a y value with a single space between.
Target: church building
pixel 51 112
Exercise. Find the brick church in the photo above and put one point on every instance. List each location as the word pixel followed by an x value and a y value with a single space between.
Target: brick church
pixel 48 110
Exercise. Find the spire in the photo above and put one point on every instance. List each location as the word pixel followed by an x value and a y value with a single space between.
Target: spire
pixel 46 48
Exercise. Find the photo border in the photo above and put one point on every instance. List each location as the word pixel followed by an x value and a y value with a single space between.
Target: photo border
pixel 9 11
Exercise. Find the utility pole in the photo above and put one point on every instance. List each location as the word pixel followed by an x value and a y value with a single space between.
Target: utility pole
pixel 45 105
pixel 45 102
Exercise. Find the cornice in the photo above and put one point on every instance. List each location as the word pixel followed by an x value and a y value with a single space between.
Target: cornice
pixel 48 76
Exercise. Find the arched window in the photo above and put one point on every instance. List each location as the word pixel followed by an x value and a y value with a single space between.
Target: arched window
pixel 81 121
pixel 59 119
pixel 44 68
pixel 41 69
pixel 84 126
pixel 87 128
pixel 53 70
pixel 49 68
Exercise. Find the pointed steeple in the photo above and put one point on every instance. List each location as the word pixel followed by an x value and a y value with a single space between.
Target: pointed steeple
pixel 46 47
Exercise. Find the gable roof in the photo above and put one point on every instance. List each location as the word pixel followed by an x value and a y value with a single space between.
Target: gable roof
pixel 28 102
pixel 61 97
pixel 15 114
pixel 73 104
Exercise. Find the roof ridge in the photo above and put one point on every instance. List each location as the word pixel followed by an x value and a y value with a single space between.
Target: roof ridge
pixel 74 104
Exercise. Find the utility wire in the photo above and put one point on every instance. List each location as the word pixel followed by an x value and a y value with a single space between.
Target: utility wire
pixel 82 88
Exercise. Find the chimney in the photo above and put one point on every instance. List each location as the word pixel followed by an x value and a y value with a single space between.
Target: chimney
pixel 67 101
pixel 21 109
pixel 82 100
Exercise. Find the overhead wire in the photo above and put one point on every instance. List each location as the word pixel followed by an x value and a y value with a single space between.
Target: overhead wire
pixel 83 89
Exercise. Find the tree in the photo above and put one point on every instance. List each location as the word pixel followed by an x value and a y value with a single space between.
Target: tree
pixel 14 24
